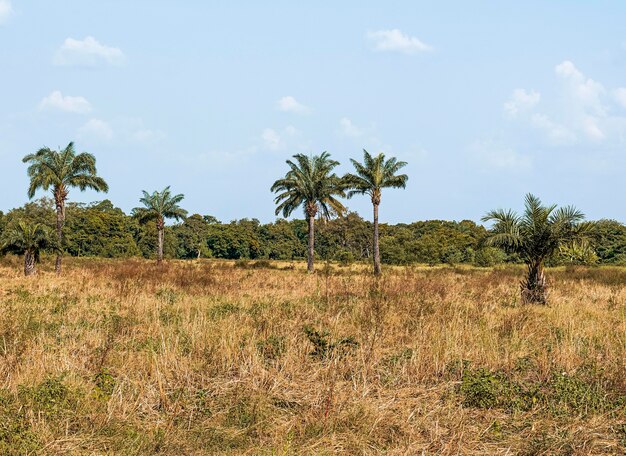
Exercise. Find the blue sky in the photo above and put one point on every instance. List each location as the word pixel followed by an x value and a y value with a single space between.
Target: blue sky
pixel 485 100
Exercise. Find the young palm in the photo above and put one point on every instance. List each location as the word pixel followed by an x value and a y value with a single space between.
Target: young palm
pixel 27 239
pixel 535 236
pixel 311 184
pixel 374 174
pixel 60 171
pixel 158 207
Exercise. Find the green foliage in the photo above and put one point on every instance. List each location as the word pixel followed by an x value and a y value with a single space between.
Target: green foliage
pixel 16 435
pixel 484 389
pixel 52 397
pixel 102 230
pixel 271 348
pixel 324 348
pixel 22 237
pixel 105 384
pixel 310 183
pixel 580 393
pixel 539 232
pixel 159 206
pixel 61 170
pixel 374 174
pixel 489 256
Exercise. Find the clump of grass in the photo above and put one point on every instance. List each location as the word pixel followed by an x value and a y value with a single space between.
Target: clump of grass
pixel 324 347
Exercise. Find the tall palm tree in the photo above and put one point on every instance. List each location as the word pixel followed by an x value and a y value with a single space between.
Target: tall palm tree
pixel 159 206
pixel 311 184
pixel 535 236
pixel 59 171
pixel 27 239
pixel 374 174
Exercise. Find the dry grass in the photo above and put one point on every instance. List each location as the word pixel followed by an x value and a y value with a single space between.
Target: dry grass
pixel 207 357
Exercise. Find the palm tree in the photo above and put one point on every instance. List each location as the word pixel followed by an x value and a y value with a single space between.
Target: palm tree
pixel 61 170
pixel 159 206
pixel 374 174
pixel 27 239
pixel 310 183
pixel 535 236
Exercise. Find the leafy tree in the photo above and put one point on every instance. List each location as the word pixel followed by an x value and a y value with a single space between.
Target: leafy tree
pixel 100 229
pixel 608 239
pixel 27 239
pixel 374 174
pixel 310 183
pixel 535 236
pixel 192 237
pixel 60 171
pixel 159 206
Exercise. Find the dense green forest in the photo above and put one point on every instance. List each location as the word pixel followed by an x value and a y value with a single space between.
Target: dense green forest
pixel 103 230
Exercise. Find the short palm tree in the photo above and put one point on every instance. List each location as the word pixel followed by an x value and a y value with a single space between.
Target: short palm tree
pixel 374 174
pixel 59 171
pixel 159 206
pixel 310 183
pixel 535 236
pixel 27 239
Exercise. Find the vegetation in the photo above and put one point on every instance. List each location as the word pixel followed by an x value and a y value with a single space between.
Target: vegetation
pixel 159 206
pixel 60 171
pixel 535 236
pixel 374 174
pixel 311 184
pixel 27 239
pixel 202 357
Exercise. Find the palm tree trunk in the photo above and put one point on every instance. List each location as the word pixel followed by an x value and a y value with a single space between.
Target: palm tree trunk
pixel 534 289
pixel 29 263
pixel 311 252
pixel 376 243
pixel 160 233
pixel 60 207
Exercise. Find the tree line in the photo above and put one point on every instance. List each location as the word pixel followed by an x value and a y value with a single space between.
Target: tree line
pixel 542 235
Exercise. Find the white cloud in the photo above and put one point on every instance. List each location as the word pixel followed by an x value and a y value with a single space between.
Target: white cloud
pixel 290 104
pixel 521 101
pixel 67 103
pixel 396 41
pixel 271 139
pixel 491 154
pixel 580 112
pixel 349 129
pixel 557 134
pixel 620 96
pixel 96 129
pixel 87 52
pixel 584 93
pixel 287 138
pixel 6 10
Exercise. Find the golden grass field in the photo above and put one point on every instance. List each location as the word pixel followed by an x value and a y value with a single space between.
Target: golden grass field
pixel 204 357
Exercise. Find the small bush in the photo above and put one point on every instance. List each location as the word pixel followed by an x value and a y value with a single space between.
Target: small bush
pixel 271 348
pixel 324 348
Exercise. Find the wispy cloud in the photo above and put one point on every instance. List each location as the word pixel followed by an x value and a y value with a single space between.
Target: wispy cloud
pixel 290 104
pixel 87 52
pixel 490 154
pixel 6 10
pixel 57 101
pixel 287 138
pixel 521 101
pixel 396 41
pixel 96 129
pixel 349 129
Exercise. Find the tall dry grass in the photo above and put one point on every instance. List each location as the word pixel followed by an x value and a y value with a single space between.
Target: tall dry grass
pixel 124 357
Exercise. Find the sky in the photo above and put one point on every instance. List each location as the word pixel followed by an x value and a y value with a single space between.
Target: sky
pixel 486 101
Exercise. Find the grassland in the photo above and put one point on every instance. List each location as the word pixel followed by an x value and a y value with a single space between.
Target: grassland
pixel 122 357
